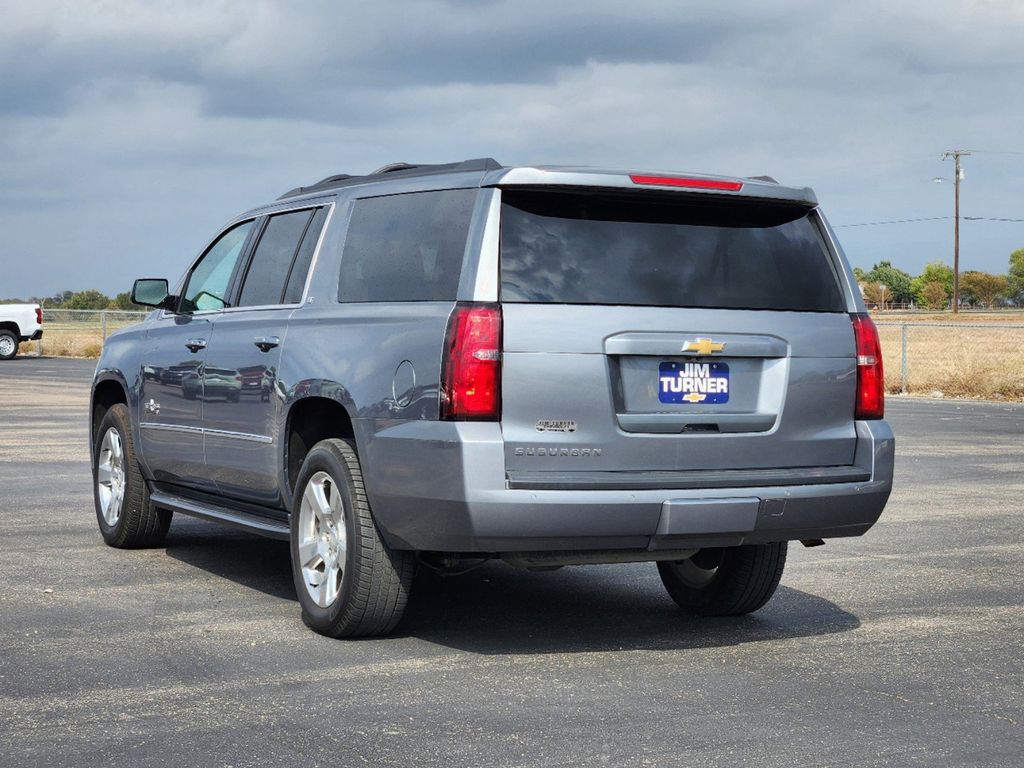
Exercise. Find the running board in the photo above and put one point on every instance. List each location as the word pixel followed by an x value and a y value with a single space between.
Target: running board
pixel 249 521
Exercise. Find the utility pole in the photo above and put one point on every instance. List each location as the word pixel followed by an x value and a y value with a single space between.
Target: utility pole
pixel 956 154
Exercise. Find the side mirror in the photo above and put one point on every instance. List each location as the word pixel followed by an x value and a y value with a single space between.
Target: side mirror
pixel 152 292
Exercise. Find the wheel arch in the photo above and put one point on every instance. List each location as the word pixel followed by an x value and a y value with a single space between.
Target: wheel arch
pixel 106 392
pixel 310 419
pixel 10 325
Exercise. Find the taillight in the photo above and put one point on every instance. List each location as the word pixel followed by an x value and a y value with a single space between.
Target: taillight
pixel 471 379
pixel 39 316
pixel 870 378
pixel 677 181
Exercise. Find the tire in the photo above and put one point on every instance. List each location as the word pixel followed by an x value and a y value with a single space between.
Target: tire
pixel 730 581
pixel 348 581
pixel 126 517
pixel 8 344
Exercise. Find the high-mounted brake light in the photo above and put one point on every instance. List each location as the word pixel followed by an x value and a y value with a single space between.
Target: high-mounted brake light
pixel 870 376
pixel 471 379
pixel 39 316
pixel 676 181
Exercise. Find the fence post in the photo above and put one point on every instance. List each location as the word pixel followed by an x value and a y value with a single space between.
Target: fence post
pixel 103 320
pixel 903 359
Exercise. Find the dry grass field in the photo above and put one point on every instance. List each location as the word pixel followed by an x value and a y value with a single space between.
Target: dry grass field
pixel 951 355
pixel 73 339
pixel 945 353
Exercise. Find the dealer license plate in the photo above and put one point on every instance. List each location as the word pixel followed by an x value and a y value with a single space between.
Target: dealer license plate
pixel 686 382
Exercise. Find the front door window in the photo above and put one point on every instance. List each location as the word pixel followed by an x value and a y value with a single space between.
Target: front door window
pixel 208 284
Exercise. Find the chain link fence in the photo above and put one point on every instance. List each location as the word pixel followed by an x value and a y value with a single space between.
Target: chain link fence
pixel 79 332
pixel 980 360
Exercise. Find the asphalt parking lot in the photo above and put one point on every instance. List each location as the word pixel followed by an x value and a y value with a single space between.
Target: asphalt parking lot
pixel 900 648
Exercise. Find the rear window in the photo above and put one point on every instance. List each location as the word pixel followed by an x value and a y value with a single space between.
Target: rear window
pixel 647 250
pixel 406 247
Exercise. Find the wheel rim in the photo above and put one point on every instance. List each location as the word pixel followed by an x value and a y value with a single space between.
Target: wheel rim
pixel 699 570
pixel 323 539
pixel 6 346
pixel 110 476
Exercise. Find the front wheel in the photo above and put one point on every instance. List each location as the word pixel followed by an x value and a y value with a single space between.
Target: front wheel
pixel 348 581
pixel 725 581
pixel 127 518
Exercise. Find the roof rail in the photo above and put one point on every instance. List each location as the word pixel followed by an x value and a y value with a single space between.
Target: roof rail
pixel 398 169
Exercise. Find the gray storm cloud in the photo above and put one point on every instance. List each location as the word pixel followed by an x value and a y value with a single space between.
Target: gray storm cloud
pixel 129 132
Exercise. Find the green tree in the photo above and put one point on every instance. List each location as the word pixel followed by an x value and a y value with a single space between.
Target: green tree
pixel 1016 276
pixel 899 283
pixel 58 300
pixel 90 299
pixel 859 274
pixel 933 296
pixel 984 288
pixel 123 301
pixel 933 272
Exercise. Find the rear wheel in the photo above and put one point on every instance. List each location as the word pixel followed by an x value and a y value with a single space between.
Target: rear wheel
pixel 348 581
pixel 8 344
pixel 728 581
pixel 127 518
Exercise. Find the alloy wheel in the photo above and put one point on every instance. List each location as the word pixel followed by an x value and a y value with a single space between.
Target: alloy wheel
pixel 323 539
pixel 110 476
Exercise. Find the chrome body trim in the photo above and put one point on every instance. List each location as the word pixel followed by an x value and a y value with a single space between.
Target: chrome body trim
pixel 203 431
pixel 252 216
pixel 486 288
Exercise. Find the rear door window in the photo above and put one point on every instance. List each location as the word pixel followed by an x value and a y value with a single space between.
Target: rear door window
pixel 406 247
pixel 665 251
pixel 272 260
pixel 300 268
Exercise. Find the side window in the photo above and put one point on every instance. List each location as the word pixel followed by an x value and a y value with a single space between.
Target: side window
pixel 300 269
pixel 406 247
pixel 207 286
pixel 272 260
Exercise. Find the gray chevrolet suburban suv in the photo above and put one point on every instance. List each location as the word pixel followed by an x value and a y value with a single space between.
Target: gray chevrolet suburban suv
pixel 547 365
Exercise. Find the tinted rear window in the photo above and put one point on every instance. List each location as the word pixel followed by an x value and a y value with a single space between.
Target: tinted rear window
pixel 406 247
pixel 573 248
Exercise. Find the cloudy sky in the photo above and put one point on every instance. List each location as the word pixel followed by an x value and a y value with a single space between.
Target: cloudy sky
pixel 129 132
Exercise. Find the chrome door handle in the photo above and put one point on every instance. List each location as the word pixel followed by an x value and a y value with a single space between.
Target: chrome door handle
pixel 194 345
pixel 266 343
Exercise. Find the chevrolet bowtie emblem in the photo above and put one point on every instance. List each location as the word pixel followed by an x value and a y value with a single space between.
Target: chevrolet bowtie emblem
pixel 694 397
pixel 703 346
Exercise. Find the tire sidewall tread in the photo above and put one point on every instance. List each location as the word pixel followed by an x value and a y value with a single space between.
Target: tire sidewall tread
pixel 376 580
pixel 140 524
pixel 746 579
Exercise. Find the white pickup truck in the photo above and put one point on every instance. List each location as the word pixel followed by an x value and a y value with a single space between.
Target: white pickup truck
pixel 18 323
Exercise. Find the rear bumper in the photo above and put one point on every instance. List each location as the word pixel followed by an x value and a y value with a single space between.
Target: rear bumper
pixel 442 486
pixel 34 337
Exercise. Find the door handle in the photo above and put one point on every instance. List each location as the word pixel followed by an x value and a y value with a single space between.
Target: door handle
pixel 194 345
pixel 266 343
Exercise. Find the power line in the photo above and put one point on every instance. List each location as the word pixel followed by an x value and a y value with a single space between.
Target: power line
pixel 996 152
pixel 929 218
pixel 894 221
